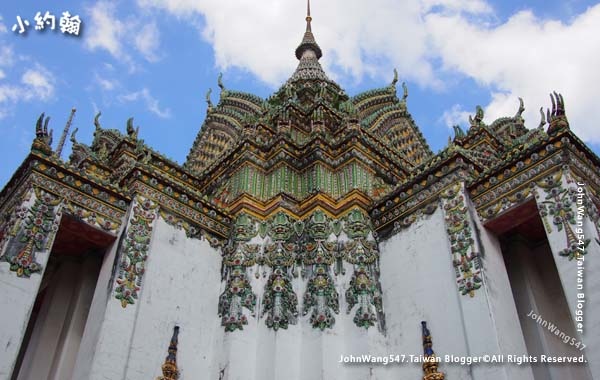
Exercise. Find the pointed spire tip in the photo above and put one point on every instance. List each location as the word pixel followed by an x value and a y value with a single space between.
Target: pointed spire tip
pixel 308 42
pixel 308 17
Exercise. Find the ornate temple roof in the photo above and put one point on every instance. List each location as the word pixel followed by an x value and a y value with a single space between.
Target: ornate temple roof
pixel 309 146
pixel 308 138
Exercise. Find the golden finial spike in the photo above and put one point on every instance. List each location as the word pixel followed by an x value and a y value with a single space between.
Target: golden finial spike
pixel 430 363
pixel 169 368
pixel 308 18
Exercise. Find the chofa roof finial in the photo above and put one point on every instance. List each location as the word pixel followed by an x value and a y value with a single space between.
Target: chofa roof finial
pixel 557 118
pixel 43 139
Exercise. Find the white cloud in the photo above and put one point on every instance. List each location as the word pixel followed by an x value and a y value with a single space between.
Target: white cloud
pixel 527 57
pixel 147 41
pixel 105 30
pixel 104 83
pixel 455 116
pixel 39 83
pixel 151 102
pixel 35 83
pixel 469 6
pixel 3 28
pixel 427 40
pixel 9 93
pixel 7 55
pixel 361 40
pixel 120 37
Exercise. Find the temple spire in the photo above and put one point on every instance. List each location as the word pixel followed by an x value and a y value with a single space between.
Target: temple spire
pixel 308 53
pixel 308 41
pixel 308 18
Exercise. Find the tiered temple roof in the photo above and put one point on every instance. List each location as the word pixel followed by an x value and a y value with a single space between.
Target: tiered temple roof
pixel 308 146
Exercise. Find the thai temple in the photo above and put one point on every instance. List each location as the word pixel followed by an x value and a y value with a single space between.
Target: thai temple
pixel 309 235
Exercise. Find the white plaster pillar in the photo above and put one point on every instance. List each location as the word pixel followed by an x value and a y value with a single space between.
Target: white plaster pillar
pixel 419 284
pixel 45 341
pixel 112 350
pixel 101 296
pixel 500 301
pixel 73 330
pixel 181 287
pixel 18 298
pixel 486 314
pixel 539 294
pixel 586 298
pixel 589 266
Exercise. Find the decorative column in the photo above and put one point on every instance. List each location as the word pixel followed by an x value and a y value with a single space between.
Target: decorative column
pixel 318 247
pixel 134 251
pixel 118 326
pixel 13 215
pixel 557 202
pixel 28 237
pixel 319 255
pixel 237 257
pixel 570 217
pixel 362 252
pixel 280 302
pixel 34 234
pixel 465 256
pixel 485 303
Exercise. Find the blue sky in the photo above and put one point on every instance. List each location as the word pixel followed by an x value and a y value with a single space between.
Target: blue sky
pixel 155 60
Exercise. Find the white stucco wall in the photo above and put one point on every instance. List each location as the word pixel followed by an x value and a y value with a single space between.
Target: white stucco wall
pixel 591 291
pixel 96 315
pixel 568 272
pixel 501 304
pixel 419 284
pixel 181 287
pixel 16 302
pixel 182 283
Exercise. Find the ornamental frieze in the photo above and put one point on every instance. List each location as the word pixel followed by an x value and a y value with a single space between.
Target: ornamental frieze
pixel 91 217
pixel 192 230
pixel 197 212
pixel 34 234
pixel 319 251
pixel 109 212
pixel 465 257
pixel 557 205
pixel 389 215
pixel 13 212
pixel 133 252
